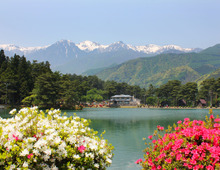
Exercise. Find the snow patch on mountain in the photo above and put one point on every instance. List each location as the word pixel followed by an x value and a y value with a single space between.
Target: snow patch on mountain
pixel 24 50
pixel 9 47
pixel 90 46
pixel 148 49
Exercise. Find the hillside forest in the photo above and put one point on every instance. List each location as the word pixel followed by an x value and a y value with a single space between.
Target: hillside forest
pixel 34 83
pixel 159 69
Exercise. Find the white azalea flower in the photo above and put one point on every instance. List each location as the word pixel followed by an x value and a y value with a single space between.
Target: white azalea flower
pixel 48 152
pixel 91 155
pixel 42 139
pixel 24 152
pixel 83 130
pixel 102 151
pixel 54 167
pixel 109 160
pixel 13 111
pixel 76 156
pixel 12 167
pixel 96 165
pixel 25 165
pixel 46 157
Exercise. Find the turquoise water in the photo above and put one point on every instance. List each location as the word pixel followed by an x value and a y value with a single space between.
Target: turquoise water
pixel 125 128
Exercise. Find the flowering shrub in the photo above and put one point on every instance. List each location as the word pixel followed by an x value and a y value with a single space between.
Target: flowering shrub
pixel 190 145
pixel 31 140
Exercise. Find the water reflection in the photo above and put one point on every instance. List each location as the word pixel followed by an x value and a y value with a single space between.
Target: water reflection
pixel 4 113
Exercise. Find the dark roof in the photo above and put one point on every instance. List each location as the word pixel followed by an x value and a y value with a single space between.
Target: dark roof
pixel 122 95
pixel 183 101
pixel 202 101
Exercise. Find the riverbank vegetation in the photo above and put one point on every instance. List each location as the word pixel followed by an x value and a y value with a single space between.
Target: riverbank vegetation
pixel 34 83
pixel 173 93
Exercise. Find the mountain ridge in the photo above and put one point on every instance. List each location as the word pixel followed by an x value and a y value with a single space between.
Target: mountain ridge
pixel 159 69
pixel 91 46
pixel 68 57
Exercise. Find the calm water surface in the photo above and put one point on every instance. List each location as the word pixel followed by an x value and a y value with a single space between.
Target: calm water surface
pixel 125 128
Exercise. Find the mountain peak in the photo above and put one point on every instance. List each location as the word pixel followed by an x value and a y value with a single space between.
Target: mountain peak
pixel 65 42
pixel 89 45
pixel 118 45
pixel 9 47
pixel 119 42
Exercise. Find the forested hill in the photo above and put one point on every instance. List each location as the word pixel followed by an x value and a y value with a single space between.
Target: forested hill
pixel 161 68
pixel 215 74
pixel 33 83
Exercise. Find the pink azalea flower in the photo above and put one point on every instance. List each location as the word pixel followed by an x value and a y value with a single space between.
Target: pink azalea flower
pixel 178 157
pixel 211 117
pixel 210 167
pixel 159 167
pixel 138 161
pixel 168 160
pixel 154 141
pixel 150 137
pixel 160 127
pixel 81 148
pixel 15 137
pixel 193 162
pixel 177 128
pixel 216 125
pixel 179 122
pixel 186 119
pixel 217 120
pixel 30 155
pixel 190 166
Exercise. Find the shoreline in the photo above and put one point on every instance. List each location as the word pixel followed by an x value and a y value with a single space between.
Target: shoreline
pixel 155 107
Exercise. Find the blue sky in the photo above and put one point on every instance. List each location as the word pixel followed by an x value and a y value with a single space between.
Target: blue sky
pixel 187 23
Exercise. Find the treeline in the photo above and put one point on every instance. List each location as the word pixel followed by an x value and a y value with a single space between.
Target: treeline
pixel 173 93
pixel 33 83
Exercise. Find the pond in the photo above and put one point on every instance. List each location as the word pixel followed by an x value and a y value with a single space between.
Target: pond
pixel 126 128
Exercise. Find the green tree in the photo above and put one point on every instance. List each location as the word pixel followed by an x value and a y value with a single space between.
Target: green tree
pixel 7 86
pixel 208 90
pixel 150 91
pixel 151 101
pixel 110 88
pixel 169 92
pixel 3 61
pixel 46 89
pixel 69 96
pixel 95 82
pixel 94 95
pixel 24 78
pixel 217 91
pixel 189 92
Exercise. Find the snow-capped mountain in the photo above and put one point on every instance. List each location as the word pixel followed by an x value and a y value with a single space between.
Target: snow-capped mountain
pixel 68 57
pixel 151 48
pixel 148 49
pixel 17 49
pixel 89 46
